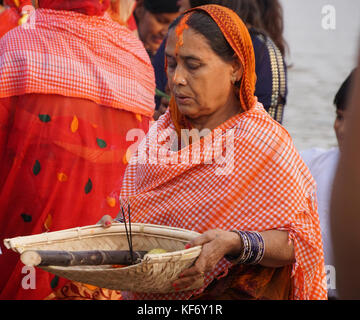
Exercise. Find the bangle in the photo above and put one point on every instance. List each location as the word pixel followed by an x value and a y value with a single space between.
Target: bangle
pixel 253 249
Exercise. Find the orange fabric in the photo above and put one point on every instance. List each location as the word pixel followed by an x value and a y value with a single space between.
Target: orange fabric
pixel 251 283
pixel 236 33
pixel 97 58
pixel 79 291
pixel 245 175
pixel 46 185
pixel 267 186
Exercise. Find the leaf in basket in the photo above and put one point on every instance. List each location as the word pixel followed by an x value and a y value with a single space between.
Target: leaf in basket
pixel 88 186
pixel 54 282
pixel 36 167
pixel 26 217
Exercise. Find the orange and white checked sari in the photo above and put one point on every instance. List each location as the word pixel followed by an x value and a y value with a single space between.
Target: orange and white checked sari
pixel 256 181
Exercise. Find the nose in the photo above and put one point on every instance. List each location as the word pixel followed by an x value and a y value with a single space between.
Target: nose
pixel 179 78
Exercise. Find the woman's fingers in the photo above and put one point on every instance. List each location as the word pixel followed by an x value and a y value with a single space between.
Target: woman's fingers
pixel 188 277
pixel 200 240
pixel 215 244
pixel 106 221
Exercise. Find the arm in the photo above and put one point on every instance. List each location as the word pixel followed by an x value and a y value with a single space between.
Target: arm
pixel 218 243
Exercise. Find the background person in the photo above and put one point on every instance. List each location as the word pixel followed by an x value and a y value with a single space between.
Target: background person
pixel 323 164
pixel 63 129
pixel 345 201
pixel 272 17
pixel 153 18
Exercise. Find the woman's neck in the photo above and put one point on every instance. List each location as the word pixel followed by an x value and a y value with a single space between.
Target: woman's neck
pixel 217 118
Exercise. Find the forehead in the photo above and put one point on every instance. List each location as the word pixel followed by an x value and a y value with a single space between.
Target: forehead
pixel 164 17
pixel 193 44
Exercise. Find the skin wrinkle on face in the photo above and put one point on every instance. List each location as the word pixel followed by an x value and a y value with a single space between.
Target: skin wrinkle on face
pixel 193 74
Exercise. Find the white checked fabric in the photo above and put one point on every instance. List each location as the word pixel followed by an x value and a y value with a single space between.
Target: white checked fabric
pixel 268 187
pixel 76 55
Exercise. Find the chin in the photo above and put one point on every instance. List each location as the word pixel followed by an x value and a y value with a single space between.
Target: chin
pixel 187 111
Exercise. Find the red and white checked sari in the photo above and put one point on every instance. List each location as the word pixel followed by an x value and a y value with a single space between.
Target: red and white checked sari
pixel 71 88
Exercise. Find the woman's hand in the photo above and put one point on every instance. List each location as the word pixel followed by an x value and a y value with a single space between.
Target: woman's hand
pixel 106 221
pixel 216 244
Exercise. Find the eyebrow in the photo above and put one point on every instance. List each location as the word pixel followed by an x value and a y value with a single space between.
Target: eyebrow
pixel 187 57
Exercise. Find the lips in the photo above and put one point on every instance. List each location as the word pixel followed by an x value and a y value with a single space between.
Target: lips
pixel 157 39
pixel 182 99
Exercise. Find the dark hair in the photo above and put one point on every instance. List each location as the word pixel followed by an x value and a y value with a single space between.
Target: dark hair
pixel 341 97
pixel 161 6
pixel 271 13
pixel 247 10
pixel 203 24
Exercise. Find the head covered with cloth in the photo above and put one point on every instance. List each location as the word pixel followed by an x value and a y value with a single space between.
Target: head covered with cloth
pixel 242 175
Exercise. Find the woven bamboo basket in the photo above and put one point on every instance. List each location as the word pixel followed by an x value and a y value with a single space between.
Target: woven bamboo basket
pixel 155 273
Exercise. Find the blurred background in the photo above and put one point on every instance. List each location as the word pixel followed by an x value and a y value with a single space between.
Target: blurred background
pixel 321 60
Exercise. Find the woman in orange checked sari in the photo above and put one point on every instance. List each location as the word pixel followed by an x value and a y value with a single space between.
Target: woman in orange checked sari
pixel 70 95
pixel 242 185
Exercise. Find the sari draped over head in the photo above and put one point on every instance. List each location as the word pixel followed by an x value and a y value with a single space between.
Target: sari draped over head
pixel 70 93
pixel 245 175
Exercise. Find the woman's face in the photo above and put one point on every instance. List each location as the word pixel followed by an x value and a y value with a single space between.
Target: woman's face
pixel 152 27
pixel 201 82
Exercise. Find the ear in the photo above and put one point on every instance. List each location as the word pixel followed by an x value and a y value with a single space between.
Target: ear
pixel 139 10
pixel 237 70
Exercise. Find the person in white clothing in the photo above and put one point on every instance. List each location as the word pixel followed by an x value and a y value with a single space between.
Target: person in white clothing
pixel 323 164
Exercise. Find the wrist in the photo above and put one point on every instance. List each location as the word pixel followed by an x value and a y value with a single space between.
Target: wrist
pixel 236 244
pixel 252 248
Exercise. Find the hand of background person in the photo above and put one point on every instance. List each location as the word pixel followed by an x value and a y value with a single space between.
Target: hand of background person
pixel 215 245
pixel 106 221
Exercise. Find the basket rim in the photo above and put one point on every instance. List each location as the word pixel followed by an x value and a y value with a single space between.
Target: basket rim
pixel 19 244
